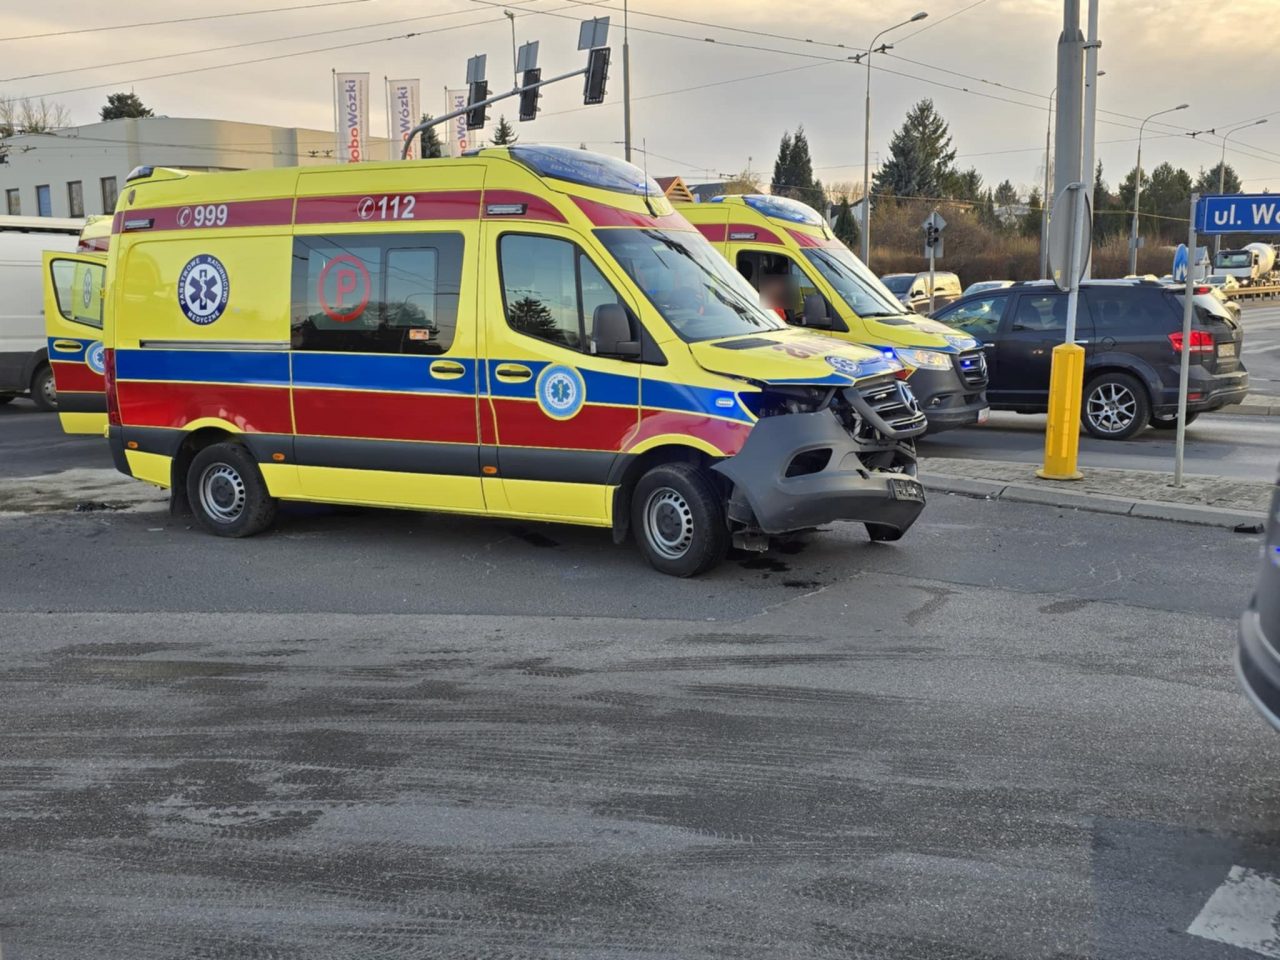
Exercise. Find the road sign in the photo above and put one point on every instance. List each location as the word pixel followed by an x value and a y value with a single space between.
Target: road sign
pixel 1238 213
pixel 1181 260
pixel 1062 232
pixel 934 249
pixel 934 221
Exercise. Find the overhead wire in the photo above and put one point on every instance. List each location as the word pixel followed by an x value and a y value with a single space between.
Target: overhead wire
pixel 157 23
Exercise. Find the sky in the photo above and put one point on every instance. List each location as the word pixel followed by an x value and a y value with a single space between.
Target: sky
pixel 700 108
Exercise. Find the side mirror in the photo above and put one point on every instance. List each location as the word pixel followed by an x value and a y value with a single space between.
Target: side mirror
pixel 611 332
pixel 815 311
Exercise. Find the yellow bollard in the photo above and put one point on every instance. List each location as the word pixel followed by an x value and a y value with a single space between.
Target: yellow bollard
pixel 1062 437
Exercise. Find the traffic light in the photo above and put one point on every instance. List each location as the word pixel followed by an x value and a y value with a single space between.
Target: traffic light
pixel 931 234
pixel 529 98
pixel 476 116
pixel 597 74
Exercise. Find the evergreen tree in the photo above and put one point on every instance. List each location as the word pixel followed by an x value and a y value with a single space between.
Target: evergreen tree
pixel 1207 181
pixel 782 166
pixel 921 158
pixel 846 227
pixel 1029 223
pixel 1125 190
pixel 1106 218
pixel 429 144
pixel 1006 194
pixel 121 105
pixel 1167 201
pixel 504 134
pixel 986 208
pixel 964 185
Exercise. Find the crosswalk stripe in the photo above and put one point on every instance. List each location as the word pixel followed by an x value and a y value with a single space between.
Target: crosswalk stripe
pixel 1242 912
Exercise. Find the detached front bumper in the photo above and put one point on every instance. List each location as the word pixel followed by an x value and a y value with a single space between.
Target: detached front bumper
pixel 803 470
pixel 1258 667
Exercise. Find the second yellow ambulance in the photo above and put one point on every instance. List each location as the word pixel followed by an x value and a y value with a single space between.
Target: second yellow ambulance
pixel 822 286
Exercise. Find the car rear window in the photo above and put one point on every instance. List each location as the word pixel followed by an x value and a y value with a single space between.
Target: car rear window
pixel 1130 310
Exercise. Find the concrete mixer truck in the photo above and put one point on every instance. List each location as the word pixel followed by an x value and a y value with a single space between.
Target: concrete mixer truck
pixel 1251 265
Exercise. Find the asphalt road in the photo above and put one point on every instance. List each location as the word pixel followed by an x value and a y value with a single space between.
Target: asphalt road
pixel 1262 345
pixel 369 734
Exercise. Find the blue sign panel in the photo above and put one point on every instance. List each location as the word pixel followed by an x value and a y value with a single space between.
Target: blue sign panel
pixel 1239 213
pixel 1180 262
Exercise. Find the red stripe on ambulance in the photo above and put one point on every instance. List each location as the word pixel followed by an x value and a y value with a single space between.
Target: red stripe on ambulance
pixel 439 418
pixel 251 409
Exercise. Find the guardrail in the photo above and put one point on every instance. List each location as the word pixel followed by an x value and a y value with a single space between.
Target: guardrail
pixel 1254 293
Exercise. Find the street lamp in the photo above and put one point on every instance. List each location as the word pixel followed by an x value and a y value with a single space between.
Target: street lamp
pixel 1222 173
pixel 1137 189
pixel 866 141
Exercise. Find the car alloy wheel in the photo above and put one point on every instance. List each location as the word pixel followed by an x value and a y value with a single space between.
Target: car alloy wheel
pixel 1111 407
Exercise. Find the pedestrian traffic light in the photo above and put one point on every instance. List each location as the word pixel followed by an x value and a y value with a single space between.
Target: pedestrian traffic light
pixel 476 116
pixel 529 98
pixel 597 74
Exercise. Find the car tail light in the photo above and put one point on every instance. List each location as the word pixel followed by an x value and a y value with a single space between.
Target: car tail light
pixel 109 384
pixel 1203 289
pixel 1201 341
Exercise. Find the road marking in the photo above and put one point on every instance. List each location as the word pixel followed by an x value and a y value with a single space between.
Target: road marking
pixel 1243 912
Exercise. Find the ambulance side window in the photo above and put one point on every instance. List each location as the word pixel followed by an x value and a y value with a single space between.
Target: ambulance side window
pixel 376 293
pixel 781 282
pixel 553 291
pixel 78 289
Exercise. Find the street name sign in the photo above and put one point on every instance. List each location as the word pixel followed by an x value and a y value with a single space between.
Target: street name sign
pixel 1239 213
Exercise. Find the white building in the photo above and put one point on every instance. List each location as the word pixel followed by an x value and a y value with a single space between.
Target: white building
pixel 78 171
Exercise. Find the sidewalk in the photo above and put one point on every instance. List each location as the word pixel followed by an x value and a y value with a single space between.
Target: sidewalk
pixel 1212 501
pixel 1254 405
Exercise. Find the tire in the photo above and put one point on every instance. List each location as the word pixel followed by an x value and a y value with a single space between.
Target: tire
pixel 227 493
pixel 883 533
pixel 678 518
pixel 43 393
pixel 1171 423
pixel 1115 407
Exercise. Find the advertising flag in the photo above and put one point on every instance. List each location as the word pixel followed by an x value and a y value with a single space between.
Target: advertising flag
pixel 353 116
pixel 406 111
pixel 460 139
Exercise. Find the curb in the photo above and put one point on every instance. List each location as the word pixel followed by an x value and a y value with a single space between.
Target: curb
pixel 1092 502
pixel 1247 410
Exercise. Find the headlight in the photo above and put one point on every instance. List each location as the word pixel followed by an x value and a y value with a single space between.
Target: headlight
pixel 928 359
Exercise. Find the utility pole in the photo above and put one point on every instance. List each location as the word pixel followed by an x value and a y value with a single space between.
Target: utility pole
pixel 515 68
pixel 1066 152
pixel 626 87
pixel 1091 75
pixel 1044 200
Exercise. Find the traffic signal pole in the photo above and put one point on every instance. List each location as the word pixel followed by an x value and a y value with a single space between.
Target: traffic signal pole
pixel 480 104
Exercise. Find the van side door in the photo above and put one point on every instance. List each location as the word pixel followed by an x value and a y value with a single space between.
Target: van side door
pixel 384 370
pixel 561 403
pixel 73 300
pixel 783 284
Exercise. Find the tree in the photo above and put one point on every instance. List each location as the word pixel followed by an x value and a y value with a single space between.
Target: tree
pixel 1125 190
pixel 921 158
pixel 1029 222
pixel 429 144
pixel 121 105
pixel 1006 195
pixel 31 116
pixel 846 227
pixel 746 181
pixel 504 134
pixel 1207 181
pixel 964 185
pixel 1168 200
pixel 1106 210
pixel 793 172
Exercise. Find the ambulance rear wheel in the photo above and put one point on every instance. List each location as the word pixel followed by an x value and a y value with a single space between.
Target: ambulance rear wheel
pixel 678 519
pixel 227 492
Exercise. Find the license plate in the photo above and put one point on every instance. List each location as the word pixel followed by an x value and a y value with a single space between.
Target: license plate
pixel 984 415
pixel 1226 349
pixel 906 490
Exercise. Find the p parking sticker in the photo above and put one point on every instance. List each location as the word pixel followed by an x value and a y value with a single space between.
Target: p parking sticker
pixel 95 356
pixel 561 392
pixel 203 289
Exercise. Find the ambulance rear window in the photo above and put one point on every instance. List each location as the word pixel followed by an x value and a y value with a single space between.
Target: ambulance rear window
pixel 588 169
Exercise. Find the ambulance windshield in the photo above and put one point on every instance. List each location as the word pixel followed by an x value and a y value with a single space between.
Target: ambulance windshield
pixel 857 286
pixel 692 286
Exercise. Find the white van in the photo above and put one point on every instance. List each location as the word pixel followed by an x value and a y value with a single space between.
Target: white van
pixel 24 354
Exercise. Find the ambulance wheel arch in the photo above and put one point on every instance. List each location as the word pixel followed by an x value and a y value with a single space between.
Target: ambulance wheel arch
pixel 632 470
pixel 202 435
pixel 226 491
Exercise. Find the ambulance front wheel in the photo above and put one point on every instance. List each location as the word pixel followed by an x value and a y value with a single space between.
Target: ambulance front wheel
pixel 678 519
pixel 227 492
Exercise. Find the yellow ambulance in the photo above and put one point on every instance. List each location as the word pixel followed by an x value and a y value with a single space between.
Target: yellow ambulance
pixel 808 277
pixel 526 332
